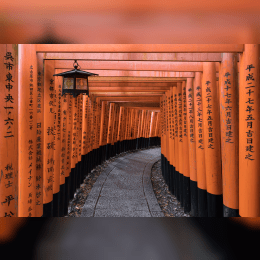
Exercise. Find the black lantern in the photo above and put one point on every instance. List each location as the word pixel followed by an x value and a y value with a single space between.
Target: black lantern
pixel 75 81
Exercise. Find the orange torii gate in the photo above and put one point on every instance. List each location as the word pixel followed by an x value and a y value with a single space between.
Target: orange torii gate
pixel 204 177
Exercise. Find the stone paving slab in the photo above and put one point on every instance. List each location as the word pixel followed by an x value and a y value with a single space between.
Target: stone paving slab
pixel 118 213
pixel 124 188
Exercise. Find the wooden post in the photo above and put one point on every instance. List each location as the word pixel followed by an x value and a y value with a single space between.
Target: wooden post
pixel 176 144
pixel 185 152
pixel 200 147
pixel 192 146
pixel 249 139
pixel 110 129
pixel 120 129
pixel 172 141
pixel 229 134
pixel 167 152
pixel 74 157
pixel 9 132
pixel 180 140
pixel 57 147
pixel 39 136
pixel 115 133
pixel 68 176
pixel 63 190
pixel 80 140
pixel 48 158
pixel 163 158
pixel 27 94
pixel 212 140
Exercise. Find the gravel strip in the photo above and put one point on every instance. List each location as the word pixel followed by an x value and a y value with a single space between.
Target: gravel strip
pixel 168 203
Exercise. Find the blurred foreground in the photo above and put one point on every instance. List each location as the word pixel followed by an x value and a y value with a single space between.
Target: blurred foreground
pixel 129 238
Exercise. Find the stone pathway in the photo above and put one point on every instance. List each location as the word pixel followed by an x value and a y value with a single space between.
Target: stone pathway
pixel 124 188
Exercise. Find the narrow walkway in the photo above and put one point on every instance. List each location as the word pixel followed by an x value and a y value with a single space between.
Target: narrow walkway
pixel 124 188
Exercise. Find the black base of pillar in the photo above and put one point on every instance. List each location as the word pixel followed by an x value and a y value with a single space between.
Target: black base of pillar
pixel 67 195
pixel 137 143
pixel 108 151
pixel 166 171
pixel 56 204
pixel 186 194
pixel 202 203
pixel 170 177
pixel 72 183
pixel 99 157
pixel 177 186
pixel 78 177
pixel 88 162
pixel 62 200
pixel 173 180
pixel 181 188
pixel 84 167
pixel 215 205
pixel 48 210
pixel 228 212
pixel 194 198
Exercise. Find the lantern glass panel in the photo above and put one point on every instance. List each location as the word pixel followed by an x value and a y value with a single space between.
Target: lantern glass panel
pixel 81 84
pixel 68 83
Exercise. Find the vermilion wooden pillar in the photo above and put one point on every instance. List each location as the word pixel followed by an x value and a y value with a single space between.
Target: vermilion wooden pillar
pixel 212 140
pixel 115 133
pixel 48 158
pixel 171 142
pixel 192 146
pixel 138 129
pixel 119 137
pixel 180 140
pixel 141 129
pixel 80 149
pixel 98 131
pixel 90 135
pixel 200 147
pixel 68 177
pixel 176 144
pixel 167 152
pixel 110 130
pixel 84 134
pixel 185 152
pixel 249 138
pixel 63 189
pixel 102 141
pixel 95 111
pixel 57 147
pixel 229 133
pixel 155 128
pixel 149 127
pixel 9 131
pixel 126 120
pixel 39 136
pixel 138 114
pixel 163 135
pixel 74 157
pixel 77 165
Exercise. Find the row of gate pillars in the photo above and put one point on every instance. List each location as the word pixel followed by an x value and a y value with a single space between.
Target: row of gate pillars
pixel 50 142
pixel 210 138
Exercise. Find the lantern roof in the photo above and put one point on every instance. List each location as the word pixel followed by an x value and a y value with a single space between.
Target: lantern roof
pixel 76 72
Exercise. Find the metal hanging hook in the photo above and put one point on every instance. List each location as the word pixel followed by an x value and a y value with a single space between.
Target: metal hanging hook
pixel 76 65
